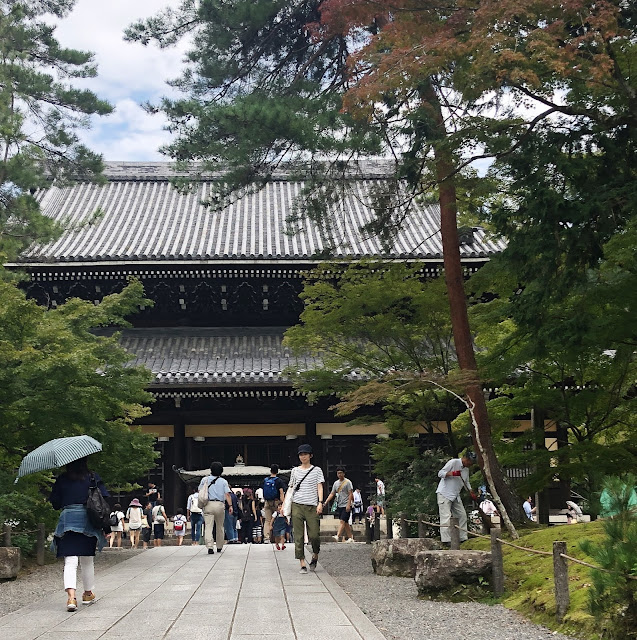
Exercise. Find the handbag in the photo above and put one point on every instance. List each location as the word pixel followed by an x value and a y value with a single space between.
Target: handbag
pixel 203 498
pixel 287 501
pixel 97 509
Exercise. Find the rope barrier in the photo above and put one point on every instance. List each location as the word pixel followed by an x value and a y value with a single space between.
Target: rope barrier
pixel 516 546
pixel 592 566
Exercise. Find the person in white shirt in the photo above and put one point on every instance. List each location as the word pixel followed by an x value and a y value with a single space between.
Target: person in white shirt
pixel 380 495
pixel 195 515
pixel 453 477
pixel 117 529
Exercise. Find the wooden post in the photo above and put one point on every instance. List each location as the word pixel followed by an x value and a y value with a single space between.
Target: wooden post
pixel 421 525
pixel 39 549
pixel 390 528
pixel 454 532
pixel 560 575
pixel 497 565
pixel 6 535
pixel 404 526
pixel 368 532
pixel 377 527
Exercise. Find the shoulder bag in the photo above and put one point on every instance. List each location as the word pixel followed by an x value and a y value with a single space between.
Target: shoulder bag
pixel 287 501
pixel 203 499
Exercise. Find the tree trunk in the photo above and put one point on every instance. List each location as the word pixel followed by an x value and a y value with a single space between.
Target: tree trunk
pixel 482 439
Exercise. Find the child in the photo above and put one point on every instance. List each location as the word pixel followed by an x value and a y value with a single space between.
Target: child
pixel 180 526
pixel 279 525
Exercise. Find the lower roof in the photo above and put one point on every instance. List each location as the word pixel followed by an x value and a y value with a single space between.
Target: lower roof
pixel 213 357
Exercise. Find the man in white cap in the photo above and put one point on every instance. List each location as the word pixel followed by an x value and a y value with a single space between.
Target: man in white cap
pixel 453 477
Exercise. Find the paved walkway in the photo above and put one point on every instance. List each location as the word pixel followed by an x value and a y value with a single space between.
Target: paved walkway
pixel 245 593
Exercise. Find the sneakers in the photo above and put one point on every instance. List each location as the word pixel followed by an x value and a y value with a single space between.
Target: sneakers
pixel 303 570
pixel 349 540
pixel 278 546
pixel 336 538
pixel 88 597
pixel 282 547
pixel 71 604
pixel 313 564
pixel 211 551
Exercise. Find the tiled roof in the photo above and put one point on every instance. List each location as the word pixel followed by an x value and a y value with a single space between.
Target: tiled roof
pixel 212 357
pixel 144 218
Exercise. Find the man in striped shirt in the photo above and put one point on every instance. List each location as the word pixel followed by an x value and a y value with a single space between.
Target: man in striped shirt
pixel 307 506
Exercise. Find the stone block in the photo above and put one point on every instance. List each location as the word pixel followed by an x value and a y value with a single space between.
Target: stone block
pixel 9 562
pixel 397 557
pixel 438 570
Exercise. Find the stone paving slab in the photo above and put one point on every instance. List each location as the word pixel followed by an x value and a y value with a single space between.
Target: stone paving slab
pixel 247 592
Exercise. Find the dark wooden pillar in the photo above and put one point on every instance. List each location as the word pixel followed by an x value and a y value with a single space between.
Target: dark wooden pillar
pixel 179 491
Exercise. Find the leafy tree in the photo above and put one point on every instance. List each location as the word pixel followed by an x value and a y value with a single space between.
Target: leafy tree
pixel 613 594
pixel 381 322
pixel 40 115
pixel 58 378
pixel 276 81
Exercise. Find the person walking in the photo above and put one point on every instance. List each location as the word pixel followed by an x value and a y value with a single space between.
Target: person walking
pixel 273 494
pixel 248 515
pixel 343 493
pixel 147 519
pixel 453 477
pixel 230 518
pixel 358 506
pixel 195 515
pixel 75 539
pixel 307 506
pixel 179 526
pixel 279 526
pixel 159 522
pixel 117 517
pixel 134 515
pixel 213 512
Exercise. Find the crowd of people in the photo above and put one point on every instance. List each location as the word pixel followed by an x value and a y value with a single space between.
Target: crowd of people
pixel 275 512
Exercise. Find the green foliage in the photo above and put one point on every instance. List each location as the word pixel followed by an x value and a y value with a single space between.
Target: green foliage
pixel 40 115
pixel 613 594
pixel 58 378
pixel 412 489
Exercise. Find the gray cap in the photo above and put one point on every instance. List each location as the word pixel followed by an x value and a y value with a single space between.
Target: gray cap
pixel 305 448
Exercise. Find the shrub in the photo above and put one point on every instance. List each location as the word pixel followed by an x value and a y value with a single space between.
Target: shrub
pixel 613 593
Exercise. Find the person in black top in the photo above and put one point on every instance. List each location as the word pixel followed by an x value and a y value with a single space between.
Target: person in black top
pixel 75 538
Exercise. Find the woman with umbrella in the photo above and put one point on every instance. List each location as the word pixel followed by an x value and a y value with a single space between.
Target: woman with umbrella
pixel 75 538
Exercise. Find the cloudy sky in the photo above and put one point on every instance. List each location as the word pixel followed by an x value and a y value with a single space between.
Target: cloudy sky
pixel 128 74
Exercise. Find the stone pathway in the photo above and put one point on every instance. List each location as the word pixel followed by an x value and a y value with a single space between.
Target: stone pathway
pixel 244 593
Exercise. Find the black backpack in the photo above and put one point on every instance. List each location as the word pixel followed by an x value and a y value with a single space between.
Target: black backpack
pixel 97 509
pixel 114 520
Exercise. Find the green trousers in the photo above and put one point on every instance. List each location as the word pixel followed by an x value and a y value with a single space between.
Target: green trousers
pixel 305 514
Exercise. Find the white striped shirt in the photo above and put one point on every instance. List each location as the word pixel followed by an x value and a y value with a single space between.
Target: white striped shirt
pixel 308 492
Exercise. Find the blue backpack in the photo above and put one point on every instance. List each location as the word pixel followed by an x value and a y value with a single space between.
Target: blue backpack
pixel 269 489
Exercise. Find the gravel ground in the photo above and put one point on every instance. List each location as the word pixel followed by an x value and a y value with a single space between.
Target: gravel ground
pixel 36 582
pixel 394 607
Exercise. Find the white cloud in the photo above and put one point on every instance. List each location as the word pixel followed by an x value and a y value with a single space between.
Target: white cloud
pixel 128 74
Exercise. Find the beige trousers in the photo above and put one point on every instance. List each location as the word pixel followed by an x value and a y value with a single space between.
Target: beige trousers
pixel 214 513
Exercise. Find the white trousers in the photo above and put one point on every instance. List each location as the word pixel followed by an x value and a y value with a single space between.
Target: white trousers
pixel 70 572
pixel 448 508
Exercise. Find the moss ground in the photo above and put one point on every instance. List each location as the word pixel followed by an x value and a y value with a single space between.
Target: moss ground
pixel 529 585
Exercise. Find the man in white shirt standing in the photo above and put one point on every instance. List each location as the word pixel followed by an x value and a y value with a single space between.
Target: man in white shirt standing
pixel 453 477
pixel 380 495
pixel 195 515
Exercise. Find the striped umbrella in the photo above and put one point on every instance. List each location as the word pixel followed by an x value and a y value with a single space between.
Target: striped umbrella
pixel 57 453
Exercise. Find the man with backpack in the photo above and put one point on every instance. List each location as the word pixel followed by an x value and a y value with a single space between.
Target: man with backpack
pixel 273 494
